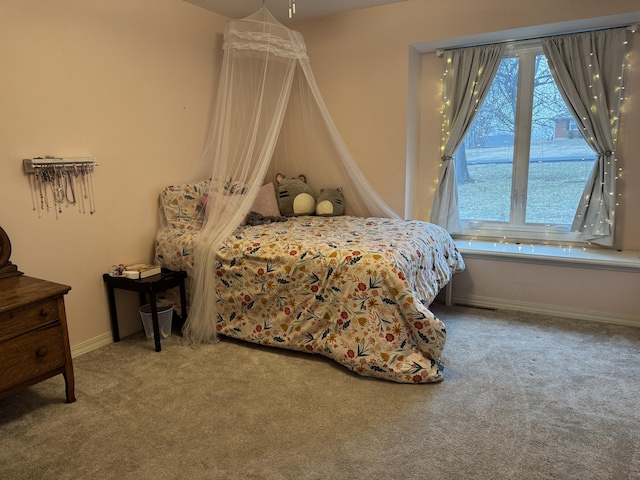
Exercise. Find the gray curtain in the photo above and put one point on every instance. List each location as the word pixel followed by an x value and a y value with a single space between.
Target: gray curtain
pixel 588 68
pixel 469 73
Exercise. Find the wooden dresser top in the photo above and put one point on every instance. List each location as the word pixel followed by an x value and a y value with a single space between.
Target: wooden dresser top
pixel 20 291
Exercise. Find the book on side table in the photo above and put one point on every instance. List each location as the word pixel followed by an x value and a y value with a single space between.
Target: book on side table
pixel 141 270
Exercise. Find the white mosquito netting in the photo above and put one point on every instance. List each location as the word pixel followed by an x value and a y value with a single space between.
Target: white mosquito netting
pixel 269 118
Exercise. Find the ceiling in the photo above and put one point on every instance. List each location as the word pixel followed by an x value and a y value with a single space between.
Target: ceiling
pixel 305 9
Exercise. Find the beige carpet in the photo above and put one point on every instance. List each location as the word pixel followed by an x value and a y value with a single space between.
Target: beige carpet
pixel 524 397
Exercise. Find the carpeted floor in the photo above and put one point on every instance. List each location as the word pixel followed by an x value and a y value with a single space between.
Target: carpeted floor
pixel 524 397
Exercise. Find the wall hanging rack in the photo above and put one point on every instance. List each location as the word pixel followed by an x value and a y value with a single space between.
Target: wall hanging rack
pixel 55 182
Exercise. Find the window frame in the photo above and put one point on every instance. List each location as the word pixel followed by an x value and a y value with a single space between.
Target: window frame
pixel 517 228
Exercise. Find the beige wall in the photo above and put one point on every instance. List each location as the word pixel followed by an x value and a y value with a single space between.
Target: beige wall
pixel 361 62
pixel 129 82
pixel 569 291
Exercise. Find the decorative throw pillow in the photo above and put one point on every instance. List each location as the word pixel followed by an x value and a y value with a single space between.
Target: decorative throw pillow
pixel 266 203
pixel 330 202
pixel 182 204
pixel 295 197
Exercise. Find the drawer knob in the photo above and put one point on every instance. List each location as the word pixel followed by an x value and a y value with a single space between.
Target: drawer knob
pixel 42 352
pixel 44 312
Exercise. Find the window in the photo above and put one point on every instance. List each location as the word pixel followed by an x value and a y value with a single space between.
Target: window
pixel 523 165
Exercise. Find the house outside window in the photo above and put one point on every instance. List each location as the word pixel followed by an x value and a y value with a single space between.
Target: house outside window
pixel 523 165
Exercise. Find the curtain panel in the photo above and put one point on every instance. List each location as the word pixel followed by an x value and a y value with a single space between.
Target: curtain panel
pixel 468 76
pixel 588 69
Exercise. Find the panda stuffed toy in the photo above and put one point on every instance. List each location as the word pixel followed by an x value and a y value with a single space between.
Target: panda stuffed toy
pixel 295 197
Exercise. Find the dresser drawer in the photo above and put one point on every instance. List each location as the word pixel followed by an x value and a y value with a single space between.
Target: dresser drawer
pixel 28 318
pixel 30 355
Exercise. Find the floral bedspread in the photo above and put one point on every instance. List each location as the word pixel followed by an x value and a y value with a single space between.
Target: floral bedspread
pixel 353 289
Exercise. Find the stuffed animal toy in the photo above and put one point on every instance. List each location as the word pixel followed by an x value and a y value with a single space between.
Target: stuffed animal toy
pixel 295 197
pixel 256 218
pixel 330 202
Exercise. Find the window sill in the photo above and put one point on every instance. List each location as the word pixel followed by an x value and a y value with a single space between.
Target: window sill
pixel 564 256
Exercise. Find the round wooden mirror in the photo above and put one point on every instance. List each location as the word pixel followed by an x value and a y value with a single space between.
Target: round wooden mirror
pixel 7 269
pixel 5 248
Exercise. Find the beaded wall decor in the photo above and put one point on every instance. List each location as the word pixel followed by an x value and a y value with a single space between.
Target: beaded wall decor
pixel 57 182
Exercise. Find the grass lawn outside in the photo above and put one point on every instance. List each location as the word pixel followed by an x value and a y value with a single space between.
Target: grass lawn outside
pixel 554 186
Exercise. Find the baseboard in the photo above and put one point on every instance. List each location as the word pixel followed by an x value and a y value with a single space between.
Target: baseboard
pixel 463 300
pixel 99 341
pixel 485 302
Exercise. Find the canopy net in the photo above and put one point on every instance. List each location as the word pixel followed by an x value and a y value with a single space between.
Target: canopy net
pixel 269 118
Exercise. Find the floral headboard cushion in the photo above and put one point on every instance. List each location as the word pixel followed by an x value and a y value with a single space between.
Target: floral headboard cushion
pixel 182 204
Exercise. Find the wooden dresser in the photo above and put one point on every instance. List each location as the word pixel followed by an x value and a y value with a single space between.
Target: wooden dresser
pixel 34 341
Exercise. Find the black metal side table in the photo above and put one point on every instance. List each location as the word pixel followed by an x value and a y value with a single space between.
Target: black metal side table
pixel 150 286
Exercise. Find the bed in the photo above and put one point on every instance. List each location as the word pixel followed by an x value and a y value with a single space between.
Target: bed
pixel 353 289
